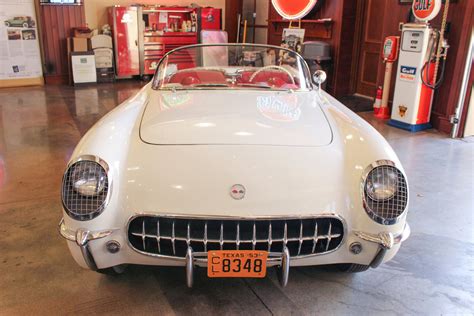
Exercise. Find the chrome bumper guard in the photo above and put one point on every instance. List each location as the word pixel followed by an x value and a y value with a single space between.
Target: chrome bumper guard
pixel 385 240
pixel 82 238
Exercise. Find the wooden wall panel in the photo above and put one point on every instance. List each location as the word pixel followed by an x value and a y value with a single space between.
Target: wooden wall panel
pixel 370 46
pixel 56 25
pixel 232 9
pixel 345 54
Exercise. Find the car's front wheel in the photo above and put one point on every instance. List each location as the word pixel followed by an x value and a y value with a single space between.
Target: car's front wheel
pixel 114 271
pixel 7 24
pixel 352 267
pixel 25 24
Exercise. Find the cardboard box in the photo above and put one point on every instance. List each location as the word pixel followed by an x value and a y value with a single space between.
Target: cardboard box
pixel 84 32
pixel 80 44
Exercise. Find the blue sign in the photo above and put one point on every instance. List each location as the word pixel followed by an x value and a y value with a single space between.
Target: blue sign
pixel 408 70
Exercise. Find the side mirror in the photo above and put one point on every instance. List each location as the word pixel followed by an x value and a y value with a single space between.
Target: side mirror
pixel 319 77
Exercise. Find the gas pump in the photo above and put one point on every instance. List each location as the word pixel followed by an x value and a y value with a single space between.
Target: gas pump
pixel 422 50
pixel 389 55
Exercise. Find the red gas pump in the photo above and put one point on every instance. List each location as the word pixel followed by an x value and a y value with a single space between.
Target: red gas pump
pixel 389 56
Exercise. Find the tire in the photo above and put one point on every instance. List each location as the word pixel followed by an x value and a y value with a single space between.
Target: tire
pixel 7 24
pixel 25 25
pixel 352 267
pixel 113 271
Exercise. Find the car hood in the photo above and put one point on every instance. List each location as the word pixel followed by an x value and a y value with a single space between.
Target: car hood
pixel 215 117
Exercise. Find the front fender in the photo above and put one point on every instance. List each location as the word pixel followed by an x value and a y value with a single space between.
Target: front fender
pixel 362 145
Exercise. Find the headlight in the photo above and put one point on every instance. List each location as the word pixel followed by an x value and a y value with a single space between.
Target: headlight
pixel 85 188
pixel 382 184
pixel 385 192
pixel 88 179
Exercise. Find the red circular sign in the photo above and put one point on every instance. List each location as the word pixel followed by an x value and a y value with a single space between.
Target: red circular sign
pixel 293 9
pixel 426 10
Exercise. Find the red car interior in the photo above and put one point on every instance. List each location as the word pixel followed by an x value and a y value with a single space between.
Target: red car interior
pixel 271 78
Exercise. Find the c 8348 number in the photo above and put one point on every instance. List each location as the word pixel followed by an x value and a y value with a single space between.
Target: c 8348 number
pixel 237 264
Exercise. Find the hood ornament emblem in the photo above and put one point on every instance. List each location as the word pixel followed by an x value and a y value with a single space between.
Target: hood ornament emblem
pixel 237 192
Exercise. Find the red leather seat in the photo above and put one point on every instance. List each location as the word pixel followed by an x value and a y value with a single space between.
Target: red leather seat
pixel 187 78
pixel 271 78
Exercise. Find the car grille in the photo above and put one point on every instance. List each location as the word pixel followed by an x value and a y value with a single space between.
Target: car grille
pixel 170 236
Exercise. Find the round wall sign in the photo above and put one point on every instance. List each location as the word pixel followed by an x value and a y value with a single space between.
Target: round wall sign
pixel 426 10
pixel 294 9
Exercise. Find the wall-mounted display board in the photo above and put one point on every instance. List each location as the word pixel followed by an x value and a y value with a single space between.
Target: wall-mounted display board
pixel 20 58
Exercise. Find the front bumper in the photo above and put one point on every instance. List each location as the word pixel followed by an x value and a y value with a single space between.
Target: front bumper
pixel 384 241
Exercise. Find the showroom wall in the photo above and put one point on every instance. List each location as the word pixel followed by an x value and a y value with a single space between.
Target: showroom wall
pixel 96 10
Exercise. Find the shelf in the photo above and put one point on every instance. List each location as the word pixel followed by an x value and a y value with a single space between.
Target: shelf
pixel 170 34
pixel 314 29
pixel 295 22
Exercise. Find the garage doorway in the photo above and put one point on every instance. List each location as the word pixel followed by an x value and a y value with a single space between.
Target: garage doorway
pixel 369 41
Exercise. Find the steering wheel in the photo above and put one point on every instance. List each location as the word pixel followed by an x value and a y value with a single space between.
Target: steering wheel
pixel 252 77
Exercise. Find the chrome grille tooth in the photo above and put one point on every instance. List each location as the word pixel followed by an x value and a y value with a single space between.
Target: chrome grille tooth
pixel 238 236
pixel 173 236
pixel 254 235
pixel 329 236
pixel 221 236
pixel 269 235
pixel 158 235
pixel 300 240
pixel 143 235
pixel 205 237
pixel 285 231
pixel 315 236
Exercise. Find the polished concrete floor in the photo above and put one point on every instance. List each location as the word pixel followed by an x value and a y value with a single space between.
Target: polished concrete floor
pixel 432 274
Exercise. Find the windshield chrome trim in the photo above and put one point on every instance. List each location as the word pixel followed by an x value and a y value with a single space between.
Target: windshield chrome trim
pixel 308 86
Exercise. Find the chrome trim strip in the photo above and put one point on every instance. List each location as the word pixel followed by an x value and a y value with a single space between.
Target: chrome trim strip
pixel 365 174
pixel 385 239
pixel 227 217
pixel 66 232
pixel 71 235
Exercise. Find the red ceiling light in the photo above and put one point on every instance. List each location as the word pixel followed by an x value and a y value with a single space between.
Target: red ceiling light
pixel 293 9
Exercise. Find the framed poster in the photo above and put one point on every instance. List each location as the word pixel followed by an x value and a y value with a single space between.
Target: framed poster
pixel 20 56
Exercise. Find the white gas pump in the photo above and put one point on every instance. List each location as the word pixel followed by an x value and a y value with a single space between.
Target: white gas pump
pixel 421 51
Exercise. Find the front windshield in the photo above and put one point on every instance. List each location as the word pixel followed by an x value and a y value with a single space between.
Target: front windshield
pixel 231 66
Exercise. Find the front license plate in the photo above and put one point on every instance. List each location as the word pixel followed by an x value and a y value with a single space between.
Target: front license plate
pixel 237 263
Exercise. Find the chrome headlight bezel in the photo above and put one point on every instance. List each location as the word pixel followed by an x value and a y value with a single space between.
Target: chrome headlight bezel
pixel 76 204
pixel 387 210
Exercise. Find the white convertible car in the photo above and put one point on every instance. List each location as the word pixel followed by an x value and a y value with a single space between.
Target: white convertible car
pixel 232 159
